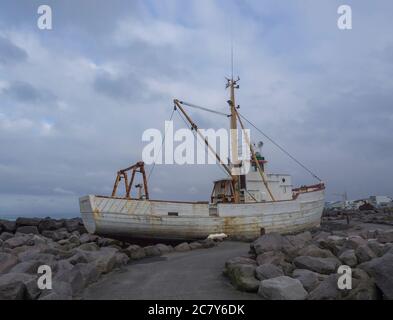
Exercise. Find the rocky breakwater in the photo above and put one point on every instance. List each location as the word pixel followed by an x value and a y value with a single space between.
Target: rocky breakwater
pixel 76 258
pixel 304 266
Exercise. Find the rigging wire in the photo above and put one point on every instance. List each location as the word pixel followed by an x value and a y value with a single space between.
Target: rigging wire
pixel 162 144
pixel 281 148
pixel 204 109
pixel 187 125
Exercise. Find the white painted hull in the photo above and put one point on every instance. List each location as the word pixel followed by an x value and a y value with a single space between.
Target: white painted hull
pixel 149 219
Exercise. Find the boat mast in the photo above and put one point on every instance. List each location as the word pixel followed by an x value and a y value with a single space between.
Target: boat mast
pixel 232 85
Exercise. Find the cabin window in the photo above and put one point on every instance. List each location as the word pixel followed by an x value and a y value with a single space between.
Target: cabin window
pixel 283 180
pixel 175 214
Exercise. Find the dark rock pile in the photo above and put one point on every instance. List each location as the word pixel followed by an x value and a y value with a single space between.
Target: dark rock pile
pixel 75 257
pixel 304 266
pixel 380 216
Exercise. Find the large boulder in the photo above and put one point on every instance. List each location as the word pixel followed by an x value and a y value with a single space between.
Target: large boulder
pixel 6 235
pixel 73 277
pixel 327 289
pixel 7 261
pixel 26 284
pixel 300 240
pixel 363 287
pixel 56 235
pixel 87 237
pixel 104 260
pixel 309 279
pixel 28 221
pixel 90 246
pixel 182 247
pixel 319 265
pixel 313 251
pixel 267 271
pixel 282 288
pixel 163 248
pixel 27 230
pixel 381 270
pixel 8 226
pixel 379 249
pixel 241 273
pixel 242 277
pixel 152 251
pixel 364 253
pixel 134 252
pixel 106 242
pixel 385 236
pixel 50 224
pixel 196 245
pixel 72 224
pixel 29 267
pixel 333 243
pixel 60 291
pixel 89 271
pixel 271 242
pixel 17 241
pixel 348 257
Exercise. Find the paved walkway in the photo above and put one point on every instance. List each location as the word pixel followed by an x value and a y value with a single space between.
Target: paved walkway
pixel 194 274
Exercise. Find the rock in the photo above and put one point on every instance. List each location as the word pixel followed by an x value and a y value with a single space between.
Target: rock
pixel 89 272
pixel 7 261
pixel 195 245
pixel 121 259
pixel 182 247
pixel 28 230
pixel 17 241
pixel 267 271
pixel 55 235
pixel 300 239
pixel 72 225
pixel 282 288
pixel 8 226
pixel 86 237
pixel 381 270
pixel 314 251
pixel 378 248
pixel 319 265
pixel 12 291
pixel 207 243
pixel 60 291
pixel 104 259
pixel 31 290
pixel 6 235
pixel 73 277
pixel 276 258
pixel 385 236
pixel 79 257
pixel 320 235
pixel 28 221
pixel 364 253
pixel 1 243
pixel 348 258
pixel 36 255
pixel 50 224
pixel 270 242
pixel 106 242
pixel 309 279
pixel 91 246
pixel 332 243
pixel 354 242
pixel 29 267
pixel 326 290
pixel 363 287
pixel 242 276
pixel 163 248
pixel 152 251
pixel 239 260
pixel 134 252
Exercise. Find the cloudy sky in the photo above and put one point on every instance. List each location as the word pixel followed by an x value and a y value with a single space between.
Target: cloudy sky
pixel 75 100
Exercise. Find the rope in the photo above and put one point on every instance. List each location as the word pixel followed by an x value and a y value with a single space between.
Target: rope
pixel 162 144
pixel 281 148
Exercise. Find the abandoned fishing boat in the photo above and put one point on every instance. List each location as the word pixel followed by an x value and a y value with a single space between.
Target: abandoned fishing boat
pixel 242 205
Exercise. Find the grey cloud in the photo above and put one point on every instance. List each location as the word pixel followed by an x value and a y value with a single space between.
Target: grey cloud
pixel 10 53
pixel 25 92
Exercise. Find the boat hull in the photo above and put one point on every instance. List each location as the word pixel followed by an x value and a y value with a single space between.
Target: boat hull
pixel 152 219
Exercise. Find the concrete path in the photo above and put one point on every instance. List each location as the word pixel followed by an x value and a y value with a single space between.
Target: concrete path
pixel 195 274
